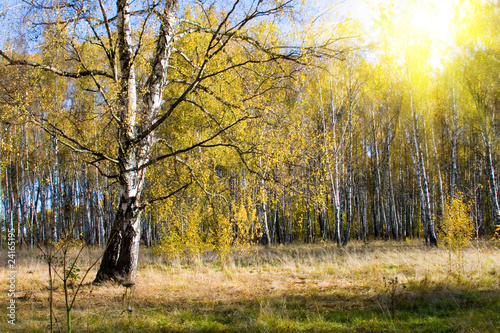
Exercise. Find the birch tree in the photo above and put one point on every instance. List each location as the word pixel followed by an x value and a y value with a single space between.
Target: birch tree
pixel 132 57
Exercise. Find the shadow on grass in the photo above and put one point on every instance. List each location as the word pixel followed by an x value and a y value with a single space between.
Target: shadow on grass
pixel 400 309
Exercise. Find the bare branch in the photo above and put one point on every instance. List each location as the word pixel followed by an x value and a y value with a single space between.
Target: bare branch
pixel 57 71
pixel 200 184
pixel 70 142
pixel 165 197
pixel 196 145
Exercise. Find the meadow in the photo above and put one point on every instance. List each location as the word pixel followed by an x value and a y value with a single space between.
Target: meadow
pixel 374 287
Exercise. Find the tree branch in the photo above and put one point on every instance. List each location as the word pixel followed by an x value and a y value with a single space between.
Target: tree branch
pixel 196 145
pixel 57 71
pixel 165 197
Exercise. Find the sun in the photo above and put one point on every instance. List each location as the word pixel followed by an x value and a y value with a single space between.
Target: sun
pixel 415 23
pixel 434 18
pixel 432 21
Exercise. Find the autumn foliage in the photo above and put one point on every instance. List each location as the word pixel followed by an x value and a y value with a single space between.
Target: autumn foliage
pixel 457 226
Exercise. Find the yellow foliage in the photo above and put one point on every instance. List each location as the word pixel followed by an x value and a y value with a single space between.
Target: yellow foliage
pixel 235 233
pixel 182 238
pixel 181 235
pixel 497 234
pixel 457 227
pixel 197 226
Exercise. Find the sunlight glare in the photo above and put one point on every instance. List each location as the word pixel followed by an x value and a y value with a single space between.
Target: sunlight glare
pixel 434 19
pixel 418 22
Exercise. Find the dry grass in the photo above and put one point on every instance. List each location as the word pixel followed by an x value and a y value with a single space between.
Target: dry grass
pixel 296 288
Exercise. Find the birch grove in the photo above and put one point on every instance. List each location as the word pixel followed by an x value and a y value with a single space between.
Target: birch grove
pixel 197 126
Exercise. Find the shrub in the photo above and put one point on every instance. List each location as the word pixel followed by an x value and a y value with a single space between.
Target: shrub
pixel 457 228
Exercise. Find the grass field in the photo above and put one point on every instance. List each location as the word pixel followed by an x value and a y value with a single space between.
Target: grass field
pixel 378 287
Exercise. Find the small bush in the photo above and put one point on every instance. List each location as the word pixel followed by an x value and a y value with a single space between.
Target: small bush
pixel 457 228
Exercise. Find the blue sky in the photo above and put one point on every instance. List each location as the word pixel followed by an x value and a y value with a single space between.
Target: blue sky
pixel 327 10
pixel 8 11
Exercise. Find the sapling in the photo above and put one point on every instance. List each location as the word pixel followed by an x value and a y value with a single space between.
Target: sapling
pixel 69 275
pixel 457 228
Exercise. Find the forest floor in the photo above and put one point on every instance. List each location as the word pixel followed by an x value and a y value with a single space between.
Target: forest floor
pixel 375 287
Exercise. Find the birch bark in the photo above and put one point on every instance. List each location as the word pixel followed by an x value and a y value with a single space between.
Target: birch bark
pixel 120 258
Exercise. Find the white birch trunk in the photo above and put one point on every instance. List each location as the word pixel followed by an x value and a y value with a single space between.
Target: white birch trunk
pixel 121 256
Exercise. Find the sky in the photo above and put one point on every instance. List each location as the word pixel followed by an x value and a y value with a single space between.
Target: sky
pixel 319 12
pixel 326 9
pixel 7 12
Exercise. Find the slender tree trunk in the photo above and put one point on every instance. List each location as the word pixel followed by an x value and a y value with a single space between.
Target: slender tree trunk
pixel 440 181
pixel 265 239
pixel 327 218
pixel 9 208
pixel 454 151
pixel 380 219
pixel 54 190
pixel 364 209
pixel 429 232
pixel 307 223
pixel 333 174
pixel 490 172
pixel 284 221
pixel 428 215
pixel 349 172
pixel 33 216
pixel 478 193
pixel 275 232
pixel 396 219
